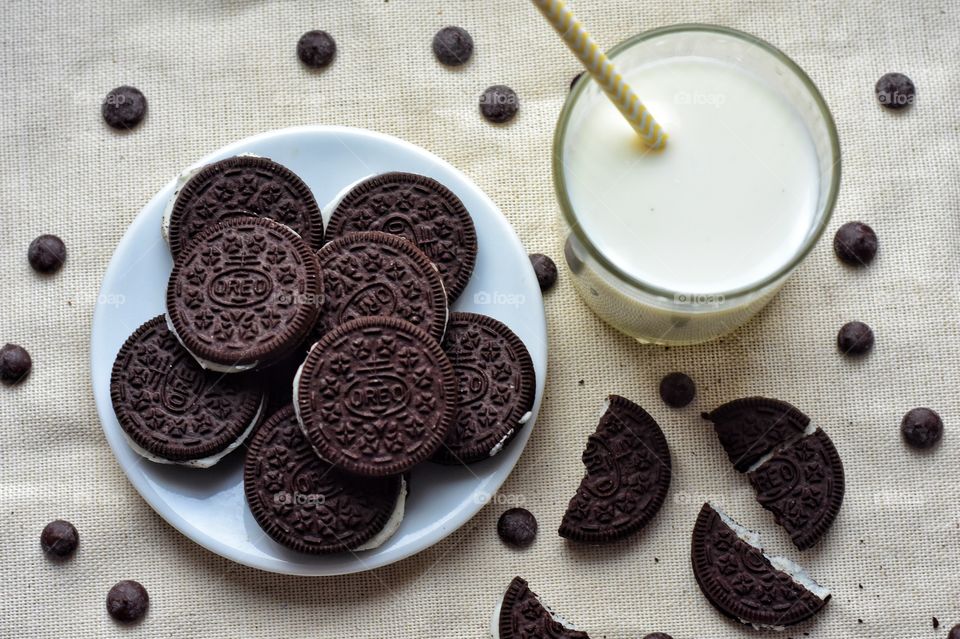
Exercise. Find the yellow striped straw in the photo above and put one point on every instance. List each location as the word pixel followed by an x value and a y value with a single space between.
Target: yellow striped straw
pixel 603 71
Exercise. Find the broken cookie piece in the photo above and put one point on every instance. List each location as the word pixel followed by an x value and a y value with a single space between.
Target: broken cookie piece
pixel 802 484
pixel 743 583
pixel 521 615
pixel 751 427
pixel 628 476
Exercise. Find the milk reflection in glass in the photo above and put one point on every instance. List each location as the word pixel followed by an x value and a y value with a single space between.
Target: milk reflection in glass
pixel 730 202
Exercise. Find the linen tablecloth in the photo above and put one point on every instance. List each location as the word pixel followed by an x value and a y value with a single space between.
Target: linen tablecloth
pixel 215 72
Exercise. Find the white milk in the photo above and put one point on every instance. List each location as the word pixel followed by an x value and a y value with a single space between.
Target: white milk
pixel 729 201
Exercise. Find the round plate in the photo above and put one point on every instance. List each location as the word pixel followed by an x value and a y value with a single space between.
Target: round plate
pixel 207 505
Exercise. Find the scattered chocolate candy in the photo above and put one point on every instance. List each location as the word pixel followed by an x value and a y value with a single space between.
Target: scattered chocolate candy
pixel 573 82
pixel 127 601
pixel 59 538
pixel 316 49
pixel 545 269
pixel 677 390
pixel 855 338
pixel 922 428
pixel 15 364
pixel 124 107
pixel 855 244
pixel 499 104
pixel 453 46
pixel 47 254
pixel 658 635
pixel 954 632
pixel 517 527
pixel 895 91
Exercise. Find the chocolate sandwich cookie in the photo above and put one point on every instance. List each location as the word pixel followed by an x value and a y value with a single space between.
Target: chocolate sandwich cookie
pixel 497 387
pixel 628 476
pixel 521 615
pixel 420 209
pixel 376 396
pixel 371 274
pixel 751 427
pixel 306 504
pixel 803 486
pixel 743 583
pixel 245 294
pixel 173 411
pixel 241 186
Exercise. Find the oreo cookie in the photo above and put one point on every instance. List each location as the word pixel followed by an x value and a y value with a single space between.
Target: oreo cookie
pixel 420 209
pixel 521 615
pixel 628 476
pixel 376 396
pixel 245 294
pixel 308 505
pixel 241 186
pixel 743 583
pixel 802 485
pixel 173 411
pixel 497 386
pixel 372 274
pixel 751 427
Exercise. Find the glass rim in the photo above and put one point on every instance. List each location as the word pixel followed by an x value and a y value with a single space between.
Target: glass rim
pixel 570 215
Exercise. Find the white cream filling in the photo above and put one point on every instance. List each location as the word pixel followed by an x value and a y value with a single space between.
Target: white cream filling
pixel 205 364
pixel 500 444
pixel 799 576
pixel 392 524
pixel 809 430
pixel 202 462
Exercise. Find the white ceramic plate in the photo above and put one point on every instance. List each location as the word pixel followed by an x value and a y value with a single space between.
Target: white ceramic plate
pixel 208 506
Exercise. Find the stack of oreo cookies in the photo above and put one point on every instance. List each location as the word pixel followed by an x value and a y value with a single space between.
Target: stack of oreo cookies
pixel 332 357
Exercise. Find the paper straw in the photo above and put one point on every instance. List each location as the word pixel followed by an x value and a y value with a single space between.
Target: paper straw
pixel 603 71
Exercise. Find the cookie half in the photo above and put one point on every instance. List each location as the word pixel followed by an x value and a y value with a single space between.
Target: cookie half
pixel 743 583
pixel 420 209
pixel 376 396
pixel 372 274
pixel 497 387
pixel 240 186
pixel 521 615
pixel 245 294
pixel 628 476
pixel 306 504
pixel 171 410
pixel 802 484
pixel 751 427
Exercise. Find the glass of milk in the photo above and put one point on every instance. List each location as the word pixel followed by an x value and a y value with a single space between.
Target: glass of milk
pixel 684 245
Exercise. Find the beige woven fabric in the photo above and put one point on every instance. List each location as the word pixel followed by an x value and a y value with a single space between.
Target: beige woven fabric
pixel 215 72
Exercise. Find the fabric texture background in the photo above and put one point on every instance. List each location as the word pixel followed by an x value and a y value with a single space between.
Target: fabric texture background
pixel 215 72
